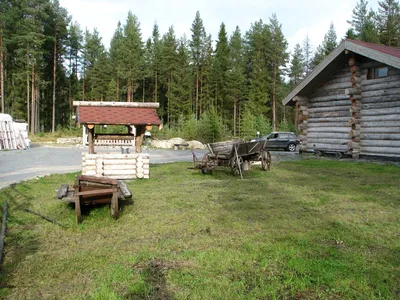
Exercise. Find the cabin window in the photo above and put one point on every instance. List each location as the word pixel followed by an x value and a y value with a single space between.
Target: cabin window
pixel 374 73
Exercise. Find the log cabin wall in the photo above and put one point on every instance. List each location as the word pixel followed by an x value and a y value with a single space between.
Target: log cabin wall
pixel 380 112
pixel 328 113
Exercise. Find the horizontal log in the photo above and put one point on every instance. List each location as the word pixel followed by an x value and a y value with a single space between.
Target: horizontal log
pixel 381 99
pixel 329 114
pixel 89 173
pixel 328 141
pixel 119 167
pixel 329 108
pixel 317 93
pixel 352 91
pixel 119 172
pixel 329 120
pixel 381 93
pixel 377 81
pixel 331 147
pixel 380 130
pixel 393 71
pixel 380 151
pixel 379 123
pixel 382 86
pixel 380 118
pixel 330 104
pixel 314 101
pixel 331 124
pixel 380 105
pixel 381 111
pixel 380 136
pixel 111 156
pixel 340 79
pixel 122 176
pixel 128 162
pixel 352 61
pixel 333 87
pixel 332 135
pixel 344 129
pixel 381 143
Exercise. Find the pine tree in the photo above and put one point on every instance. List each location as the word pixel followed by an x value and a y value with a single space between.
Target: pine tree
pixel 328 45
pixel 359 17
pixel 297 66
pixel 133 55
pixel 74 55
pixel 197 46
pixel 307 52
pixel 220 71
pixel 116 53
pixel 278 58
pixel 257 43
pixel 389 22
pixel 236 77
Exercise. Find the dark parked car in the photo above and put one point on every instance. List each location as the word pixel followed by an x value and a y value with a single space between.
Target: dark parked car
pixel 280 140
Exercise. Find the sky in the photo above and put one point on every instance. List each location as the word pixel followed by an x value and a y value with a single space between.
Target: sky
pixel 298 17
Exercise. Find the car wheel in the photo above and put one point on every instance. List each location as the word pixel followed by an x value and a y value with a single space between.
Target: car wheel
pixel 292 147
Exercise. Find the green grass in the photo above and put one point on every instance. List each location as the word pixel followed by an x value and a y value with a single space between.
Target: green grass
pixel 308 229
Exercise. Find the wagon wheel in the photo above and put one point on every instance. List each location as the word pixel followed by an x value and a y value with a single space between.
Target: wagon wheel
pixel 266 160
pixel 237 165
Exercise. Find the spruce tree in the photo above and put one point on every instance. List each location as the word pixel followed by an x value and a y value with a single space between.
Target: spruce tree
pixel 133 55
pixel 197 46
pixel 297 66
pixel 116 53
pixel 278 58
pixel 389 22
pixel 236 77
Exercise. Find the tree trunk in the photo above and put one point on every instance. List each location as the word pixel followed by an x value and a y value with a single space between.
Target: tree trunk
pixel 117 81
pixel 235 104
pixel 155 86
pixel 53 115
pixel 2 73
pixel 33 108
pixel 144 82
pixel 274 100
pixel 197 95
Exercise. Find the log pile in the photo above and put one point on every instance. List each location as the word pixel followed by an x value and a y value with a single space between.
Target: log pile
pixel 118 166
pixel 355 109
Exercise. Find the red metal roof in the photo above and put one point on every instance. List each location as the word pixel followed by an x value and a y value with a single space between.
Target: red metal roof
pixel 114 115
pixel 393 51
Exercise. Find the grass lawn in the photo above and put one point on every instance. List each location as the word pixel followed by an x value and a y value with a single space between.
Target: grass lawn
pixel 307 229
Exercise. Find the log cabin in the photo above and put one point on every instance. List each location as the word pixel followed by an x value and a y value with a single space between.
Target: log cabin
pixel 350 103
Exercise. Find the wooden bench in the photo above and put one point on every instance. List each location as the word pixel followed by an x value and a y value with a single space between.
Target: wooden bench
pixel 181 146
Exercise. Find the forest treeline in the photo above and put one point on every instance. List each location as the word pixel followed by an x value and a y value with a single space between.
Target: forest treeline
pixel 236 82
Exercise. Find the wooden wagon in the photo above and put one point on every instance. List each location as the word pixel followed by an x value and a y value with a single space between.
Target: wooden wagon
pixel 233 154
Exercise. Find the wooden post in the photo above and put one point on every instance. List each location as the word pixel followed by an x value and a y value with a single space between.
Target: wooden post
pixel 90 128
pixel 139 138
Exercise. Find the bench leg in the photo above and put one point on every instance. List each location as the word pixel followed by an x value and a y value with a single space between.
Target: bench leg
pixel 114 204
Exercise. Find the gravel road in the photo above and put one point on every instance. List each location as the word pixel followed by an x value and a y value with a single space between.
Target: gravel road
pixel 20 165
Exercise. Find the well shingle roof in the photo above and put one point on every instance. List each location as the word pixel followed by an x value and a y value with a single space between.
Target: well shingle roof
pixel 114 115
